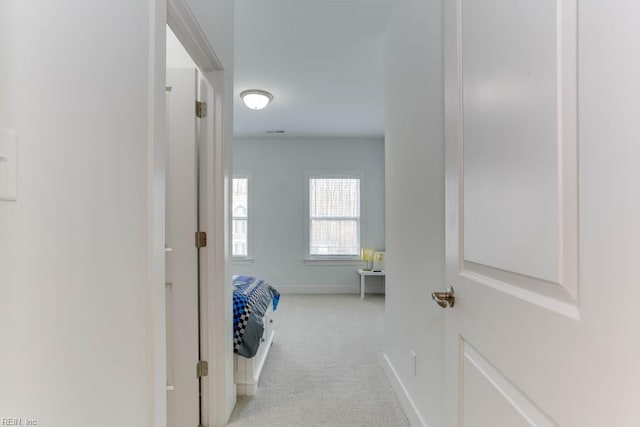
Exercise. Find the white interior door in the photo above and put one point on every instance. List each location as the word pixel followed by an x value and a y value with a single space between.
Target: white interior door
pixel 182 261
pixel 543 213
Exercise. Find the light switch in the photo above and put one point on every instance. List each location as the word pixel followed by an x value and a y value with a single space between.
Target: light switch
pixel 8 165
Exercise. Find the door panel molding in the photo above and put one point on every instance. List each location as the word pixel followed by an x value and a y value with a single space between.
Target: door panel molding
pixel 547 294
pixel 557 288
pixel 475 363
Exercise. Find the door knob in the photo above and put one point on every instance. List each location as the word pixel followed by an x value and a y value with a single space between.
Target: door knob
pixel 444 299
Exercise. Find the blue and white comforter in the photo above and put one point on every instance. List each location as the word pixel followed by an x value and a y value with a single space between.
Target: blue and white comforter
pixel 251 299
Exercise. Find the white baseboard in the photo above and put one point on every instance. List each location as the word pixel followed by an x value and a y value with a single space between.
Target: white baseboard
pixel 409 407
pixel 317 289
pixel 328 289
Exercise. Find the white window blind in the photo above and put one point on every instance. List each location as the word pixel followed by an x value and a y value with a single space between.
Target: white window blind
pixel 334 216
pixel 240 217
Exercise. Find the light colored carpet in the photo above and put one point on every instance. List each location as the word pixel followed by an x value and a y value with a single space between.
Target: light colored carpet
pixel 324 367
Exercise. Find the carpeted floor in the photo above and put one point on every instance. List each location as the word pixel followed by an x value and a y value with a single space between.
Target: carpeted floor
pixel 324 368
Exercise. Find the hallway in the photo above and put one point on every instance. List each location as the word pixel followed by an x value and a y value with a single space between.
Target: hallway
pixel 324 367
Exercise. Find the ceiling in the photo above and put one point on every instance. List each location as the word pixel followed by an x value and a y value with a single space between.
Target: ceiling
pixel 321 60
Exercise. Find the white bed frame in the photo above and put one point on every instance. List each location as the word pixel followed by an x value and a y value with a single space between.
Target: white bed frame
pixel 246 373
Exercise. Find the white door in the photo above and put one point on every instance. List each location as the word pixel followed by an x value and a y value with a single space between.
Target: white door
pixel 543 212
pixel 183 407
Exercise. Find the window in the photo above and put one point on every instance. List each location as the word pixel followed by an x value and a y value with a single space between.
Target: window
pixel 240 219
pixel 334 216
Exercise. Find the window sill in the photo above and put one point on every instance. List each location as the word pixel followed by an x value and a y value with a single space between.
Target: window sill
pixel 242 261
pixel 333 261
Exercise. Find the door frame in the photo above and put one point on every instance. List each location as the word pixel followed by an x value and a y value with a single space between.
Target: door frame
pixel 216 316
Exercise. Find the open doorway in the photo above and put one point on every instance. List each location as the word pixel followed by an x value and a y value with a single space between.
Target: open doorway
pixel 309 194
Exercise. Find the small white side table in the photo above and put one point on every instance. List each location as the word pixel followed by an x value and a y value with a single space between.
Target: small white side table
pixel 364 273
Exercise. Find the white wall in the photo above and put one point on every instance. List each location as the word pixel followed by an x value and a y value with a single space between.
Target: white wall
pixel 177 56
pixel 415 178
pixel 216 19
pixel 277 167
pixel 77 310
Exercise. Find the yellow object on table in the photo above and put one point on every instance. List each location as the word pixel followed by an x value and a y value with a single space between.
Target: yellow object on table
pixel 366 254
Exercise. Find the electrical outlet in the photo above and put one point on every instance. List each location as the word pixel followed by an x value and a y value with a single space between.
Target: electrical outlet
pixel 414 362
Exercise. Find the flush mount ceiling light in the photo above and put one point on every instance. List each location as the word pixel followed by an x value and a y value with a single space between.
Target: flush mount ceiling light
pixel 256 99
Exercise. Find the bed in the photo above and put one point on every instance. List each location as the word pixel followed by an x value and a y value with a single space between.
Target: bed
pixel 254 302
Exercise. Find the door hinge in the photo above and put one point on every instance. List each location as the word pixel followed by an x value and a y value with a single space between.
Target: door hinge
pixel 201 239
pixel 202 368
pixel 201 109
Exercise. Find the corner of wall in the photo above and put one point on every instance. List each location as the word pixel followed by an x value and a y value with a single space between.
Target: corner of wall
pixel 414 200
pixel 410 409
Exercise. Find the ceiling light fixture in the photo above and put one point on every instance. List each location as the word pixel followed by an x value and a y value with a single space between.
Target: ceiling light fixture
pixel 256 99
